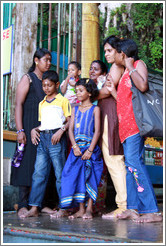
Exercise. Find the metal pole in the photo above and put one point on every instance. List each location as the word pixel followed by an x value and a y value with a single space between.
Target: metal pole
pixel 58 41
pixel 41 25
pixel 64 39
pixel 69 47
pixel 49 26
pixel 75 33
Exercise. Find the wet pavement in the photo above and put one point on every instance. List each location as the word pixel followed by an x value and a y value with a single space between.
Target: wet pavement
pixel 43 229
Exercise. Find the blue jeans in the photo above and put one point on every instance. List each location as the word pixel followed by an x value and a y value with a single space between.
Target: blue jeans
pixel 47 153
pixel 140 193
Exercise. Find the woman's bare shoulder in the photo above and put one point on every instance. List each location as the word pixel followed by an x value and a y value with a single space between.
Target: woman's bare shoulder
pixel 117 68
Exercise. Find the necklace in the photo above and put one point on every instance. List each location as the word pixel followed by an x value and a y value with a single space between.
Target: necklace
pixel 86 106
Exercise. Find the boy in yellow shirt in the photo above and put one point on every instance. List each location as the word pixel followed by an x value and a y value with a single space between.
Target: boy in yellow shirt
pixel 50 136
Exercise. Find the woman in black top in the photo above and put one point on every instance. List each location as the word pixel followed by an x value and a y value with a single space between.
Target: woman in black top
pixel 28 95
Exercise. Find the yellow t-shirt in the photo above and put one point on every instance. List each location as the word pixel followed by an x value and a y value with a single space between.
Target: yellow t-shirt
pixel 53 114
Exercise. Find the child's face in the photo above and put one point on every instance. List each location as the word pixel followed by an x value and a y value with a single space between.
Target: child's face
pixel 81 93
pixel 73 71
pixel 95 71
pixel 109 53
pixel 49 87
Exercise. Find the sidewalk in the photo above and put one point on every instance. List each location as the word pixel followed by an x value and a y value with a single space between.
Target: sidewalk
pixel 43 229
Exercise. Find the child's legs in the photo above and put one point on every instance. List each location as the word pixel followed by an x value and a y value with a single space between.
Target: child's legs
pixel 90 205
pixel 40 177
pixel 140 193
pixel 58 157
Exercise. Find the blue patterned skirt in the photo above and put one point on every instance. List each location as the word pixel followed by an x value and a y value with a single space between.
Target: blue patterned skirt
pixel 80 178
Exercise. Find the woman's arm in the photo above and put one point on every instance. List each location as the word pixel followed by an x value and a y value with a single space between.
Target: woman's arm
pixel 21 93
pixel 113 76
pixel 96 134
pixel 76 149
pixel 140 75
pixel 87 154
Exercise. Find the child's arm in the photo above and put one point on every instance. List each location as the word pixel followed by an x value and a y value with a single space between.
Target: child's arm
pixel 72 82
pixel 57 136
pixel 76 149
pixel 35 135
pixel 87 154
pixel 63 86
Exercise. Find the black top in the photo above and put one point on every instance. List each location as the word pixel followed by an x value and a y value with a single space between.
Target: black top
pixel 22 176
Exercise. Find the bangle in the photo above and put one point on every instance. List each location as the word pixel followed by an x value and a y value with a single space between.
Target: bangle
pixel 22 130
pixel 89 151
pixel 132 71
pixel 74 146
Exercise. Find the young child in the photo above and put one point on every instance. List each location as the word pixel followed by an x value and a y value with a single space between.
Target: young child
pixel 82 172
pixel 68 85
pixel 54 114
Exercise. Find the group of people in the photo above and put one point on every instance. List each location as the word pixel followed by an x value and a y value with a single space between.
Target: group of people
pixel 96 116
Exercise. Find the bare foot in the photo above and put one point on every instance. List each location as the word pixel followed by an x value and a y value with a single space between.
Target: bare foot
pixel 150 217
pixel 129 214
pixel 87 215
pixel 48 210
pixel 59 214
pixel 78 214
pixel 33 212
pixel 22 211
pixel 113 214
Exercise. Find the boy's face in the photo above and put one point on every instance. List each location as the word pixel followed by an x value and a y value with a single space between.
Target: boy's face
pixel 49 87
pixel 73 71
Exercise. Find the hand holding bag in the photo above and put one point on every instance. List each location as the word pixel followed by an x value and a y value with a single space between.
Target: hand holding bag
pixel 148 110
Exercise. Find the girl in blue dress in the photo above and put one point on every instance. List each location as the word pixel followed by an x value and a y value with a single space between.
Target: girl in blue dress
pixel 82 172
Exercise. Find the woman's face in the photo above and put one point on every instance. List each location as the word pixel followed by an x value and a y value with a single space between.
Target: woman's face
pixel 109 53
pixel 44 63
pixel 95 71
pixel 119 58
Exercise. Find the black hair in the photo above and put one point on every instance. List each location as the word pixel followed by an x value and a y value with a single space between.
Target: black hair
pixel 51 75
pixel 103 66
pixel 39 54
pixel 129 47
pixel 112 40
pixel 77 64
pixel 90 86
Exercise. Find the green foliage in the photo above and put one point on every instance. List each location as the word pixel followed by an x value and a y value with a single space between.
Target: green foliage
pixel 113 31
pixel 143 24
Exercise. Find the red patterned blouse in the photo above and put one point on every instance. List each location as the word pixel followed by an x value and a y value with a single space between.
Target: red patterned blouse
pixel 127 123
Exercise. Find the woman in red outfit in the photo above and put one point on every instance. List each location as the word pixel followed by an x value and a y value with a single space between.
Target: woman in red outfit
pixel 141 200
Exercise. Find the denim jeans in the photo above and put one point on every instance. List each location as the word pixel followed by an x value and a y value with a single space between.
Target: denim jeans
pixel 140 193
pixel 47 153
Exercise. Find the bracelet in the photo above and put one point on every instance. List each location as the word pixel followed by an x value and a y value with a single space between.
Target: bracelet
pixel 74 146
pixel 22 130
pixel 132 71
pixel 89 151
